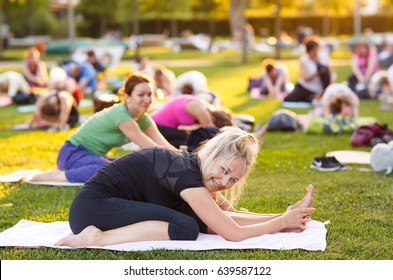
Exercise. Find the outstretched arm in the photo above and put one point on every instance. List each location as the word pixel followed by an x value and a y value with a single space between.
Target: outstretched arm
pixel 132 131
pixel 250 218
pixel 220 223
pixel 153 133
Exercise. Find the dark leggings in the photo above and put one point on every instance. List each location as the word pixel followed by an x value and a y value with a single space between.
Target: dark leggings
pixel 94 207
pixel 173 135
pixel 300 94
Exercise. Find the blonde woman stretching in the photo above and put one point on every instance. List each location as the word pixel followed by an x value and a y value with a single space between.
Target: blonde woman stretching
pixel 161 194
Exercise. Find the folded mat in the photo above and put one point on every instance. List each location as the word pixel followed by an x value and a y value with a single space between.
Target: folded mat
pixel 26 173
pixel 289 104
pixel 351 157
pixel 30 234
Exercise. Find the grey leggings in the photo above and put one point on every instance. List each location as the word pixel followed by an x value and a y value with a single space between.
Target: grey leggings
pixel 94 207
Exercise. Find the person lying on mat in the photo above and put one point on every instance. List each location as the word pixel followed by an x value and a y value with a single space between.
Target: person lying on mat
pixel 338 99
pixel 85 151
pixel 56 110
pixel 12 82
pixel 161 194
pixel 184 113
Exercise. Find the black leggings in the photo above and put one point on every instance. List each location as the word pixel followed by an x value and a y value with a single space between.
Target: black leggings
pixel 93 207
pixel 173 135
pixel 300 94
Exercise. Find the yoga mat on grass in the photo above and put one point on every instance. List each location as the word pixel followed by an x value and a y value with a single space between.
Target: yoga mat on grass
pixel 288 104
pixel 5 100
pixel 26 126
pixel 351 157
pixel 18 175
pixel 30 234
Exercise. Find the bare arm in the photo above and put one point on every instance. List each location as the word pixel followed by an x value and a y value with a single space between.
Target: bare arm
pixel 132 131
pixel 223 203
pixel 307 76
pixel 270 86
pixel 28 74
pixel 219 222
pixel 190 127
pixel 153 133
pixel 37 120
pixel 199 111
pixel 371 64
pixel 66 102
pixel 43 77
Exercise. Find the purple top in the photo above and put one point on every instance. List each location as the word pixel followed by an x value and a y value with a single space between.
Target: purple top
pixel 174 112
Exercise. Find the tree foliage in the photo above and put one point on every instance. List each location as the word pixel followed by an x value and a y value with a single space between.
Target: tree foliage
pixel 31 17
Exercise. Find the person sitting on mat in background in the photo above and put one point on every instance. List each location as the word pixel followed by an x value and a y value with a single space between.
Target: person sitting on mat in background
pixel 273 80
pixel 56 110
pixel 162 194
pixel 85 150
pixel 34 69
pixel 315 75
pixel 364 64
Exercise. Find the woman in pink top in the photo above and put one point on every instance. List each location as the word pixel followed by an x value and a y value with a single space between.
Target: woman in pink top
pixel 184 113
pixel 364 65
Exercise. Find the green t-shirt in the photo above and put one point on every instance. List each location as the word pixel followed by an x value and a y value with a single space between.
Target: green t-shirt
pixel 101 132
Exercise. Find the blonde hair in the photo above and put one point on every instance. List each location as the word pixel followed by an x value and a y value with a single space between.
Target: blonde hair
pixel 231 143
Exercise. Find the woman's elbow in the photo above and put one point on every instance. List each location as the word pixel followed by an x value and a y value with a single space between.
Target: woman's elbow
pixel 234 236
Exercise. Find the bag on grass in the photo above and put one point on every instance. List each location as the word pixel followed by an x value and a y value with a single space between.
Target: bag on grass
pixel 338 126
pixel 24 98
pixel 381 158
pixel 370 135
pixel 254 83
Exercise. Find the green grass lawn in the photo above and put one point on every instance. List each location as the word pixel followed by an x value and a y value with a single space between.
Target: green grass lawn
pixel 357 203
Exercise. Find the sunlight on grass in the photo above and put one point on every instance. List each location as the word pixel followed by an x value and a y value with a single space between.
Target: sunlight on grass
pixel 5 189
pixel 61 215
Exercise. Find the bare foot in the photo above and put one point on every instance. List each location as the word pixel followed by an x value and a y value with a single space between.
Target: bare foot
pixel 86 237
pixel 307 200
pixel 260 133
pixel 52 175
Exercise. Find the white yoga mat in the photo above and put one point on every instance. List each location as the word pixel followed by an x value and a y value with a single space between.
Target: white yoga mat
pixel 27 173
pixel 351 157
pixel 30 234
pixel 288 104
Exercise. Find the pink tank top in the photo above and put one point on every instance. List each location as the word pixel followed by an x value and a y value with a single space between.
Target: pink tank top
pixel 363 61
pixel 174 112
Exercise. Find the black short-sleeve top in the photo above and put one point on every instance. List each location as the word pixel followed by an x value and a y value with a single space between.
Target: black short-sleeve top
pixel 155 175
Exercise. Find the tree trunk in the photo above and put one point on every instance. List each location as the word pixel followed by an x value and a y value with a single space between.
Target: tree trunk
pixel 277 29
pixel 1 32
pixel 237 24
pixel 236 19
pixel 173 22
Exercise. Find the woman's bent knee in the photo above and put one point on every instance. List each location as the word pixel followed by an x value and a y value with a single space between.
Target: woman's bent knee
pixel 184 229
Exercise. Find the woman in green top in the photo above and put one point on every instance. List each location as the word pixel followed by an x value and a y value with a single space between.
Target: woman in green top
pixel 84 151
